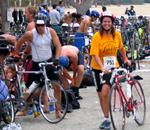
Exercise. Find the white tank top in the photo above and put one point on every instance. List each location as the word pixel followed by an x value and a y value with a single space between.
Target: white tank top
pixel 41 46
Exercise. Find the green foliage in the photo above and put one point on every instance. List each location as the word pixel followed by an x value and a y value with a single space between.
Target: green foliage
pixel 24 2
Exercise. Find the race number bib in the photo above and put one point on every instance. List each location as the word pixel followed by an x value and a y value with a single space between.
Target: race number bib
pixel 109 62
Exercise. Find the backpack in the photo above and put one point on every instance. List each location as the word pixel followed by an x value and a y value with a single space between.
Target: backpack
pixel 88 79
pixel 71 99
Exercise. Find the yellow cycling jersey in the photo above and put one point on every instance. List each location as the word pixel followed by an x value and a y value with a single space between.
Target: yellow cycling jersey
pixel 106 48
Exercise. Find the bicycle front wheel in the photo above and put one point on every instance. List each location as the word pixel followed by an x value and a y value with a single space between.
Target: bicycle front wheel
pixel 117 110
pixel 51 101
pixel 139 103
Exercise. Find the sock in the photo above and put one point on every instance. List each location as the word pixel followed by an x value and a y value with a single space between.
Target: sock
pixel 106 118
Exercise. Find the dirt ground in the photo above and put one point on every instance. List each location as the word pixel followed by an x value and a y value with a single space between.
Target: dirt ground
pixel 119 10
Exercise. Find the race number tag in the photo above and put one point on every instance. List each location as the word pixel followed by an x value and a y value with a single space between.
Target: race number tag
pixel 109 62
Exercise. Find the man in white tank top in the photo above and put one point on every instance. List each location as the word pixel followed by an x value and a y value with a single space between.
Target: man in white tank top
pixel 41 38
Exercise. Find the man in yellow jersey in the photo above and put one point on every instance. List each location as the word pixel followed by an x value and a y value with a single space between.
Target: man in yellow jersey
pixel 104 47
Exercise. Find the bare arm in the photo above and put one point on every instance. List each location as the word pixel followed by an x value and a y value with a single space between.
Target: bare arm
pixel 30 26
pixel 86 26
pixel 26 37
pixel 66 74
pixel 123 54
pixel 98 60
pixel 10 38
pixel 56 42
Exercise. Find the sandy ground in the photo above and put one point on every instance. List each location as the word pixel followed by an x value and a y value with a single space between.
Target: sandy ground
pixel 115 9
pixel 119 10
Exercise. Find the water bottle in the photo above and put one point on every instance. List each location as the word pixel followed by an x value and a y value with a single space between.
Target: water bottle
pixel 52 107
pixel 128 91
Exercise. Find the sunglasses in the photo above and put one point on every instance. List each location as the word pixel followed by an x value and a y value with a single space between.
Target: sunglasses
pixel 40 25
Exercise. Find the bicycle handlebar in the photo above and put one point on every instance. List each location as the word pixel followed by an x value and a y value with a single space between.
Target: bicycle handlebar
pixel 45 64
pixel 114 71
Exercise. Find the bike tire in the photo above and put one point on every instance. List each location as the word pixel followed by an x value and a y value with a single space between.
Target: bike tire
pixel 8 114
pixel 117 109
pixel 138 102
pixel 53 102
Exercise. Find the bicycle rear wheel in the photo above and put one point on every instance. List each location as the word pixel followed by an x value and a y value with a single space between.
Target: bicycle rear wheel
pixel 8 113
pixel 139 103
pixel 51 105
pixel 117 109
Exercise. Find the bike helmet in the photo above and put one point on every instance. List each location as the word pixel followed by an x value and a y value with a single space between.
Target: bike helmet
pixel 40 19
pixel 107 14
pixel 94 13
pixel 64 61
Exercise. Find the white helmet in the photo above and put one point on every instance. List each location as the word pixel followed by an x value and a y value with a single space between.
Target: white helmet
pixel 107 14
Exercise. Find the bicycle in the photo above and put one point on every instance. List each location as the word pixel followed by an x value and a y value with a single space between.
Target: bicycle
pixel 6 105
pixel 122 106
pixel 51 89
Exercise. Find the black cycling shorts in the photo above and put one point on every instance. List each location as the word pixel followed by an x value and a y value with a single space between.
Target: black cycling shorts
pixel 98 84
pixel 50 69
pixel 80 58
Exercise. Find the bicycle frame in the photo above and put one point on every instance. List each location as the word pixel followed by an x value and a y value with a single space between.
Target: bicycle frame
pixel 41 71
pixel 122 95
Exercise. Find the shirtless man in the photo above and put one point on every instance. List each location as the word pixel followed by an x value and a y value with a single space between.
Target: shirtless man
pixel 79 40
pixel 30 13
pixel 75 64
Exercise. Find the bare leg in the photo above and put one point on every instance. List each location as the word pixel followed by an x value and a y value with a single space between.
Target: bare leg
pixel 100 101
pixel 105 99
pixel 79 75
pixel 57 94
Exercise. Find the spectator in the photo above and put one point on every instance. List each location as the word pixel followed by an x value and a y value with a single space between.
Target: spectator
pixel 79 40
pixel 54 16
pixel 55 21
pixel 61 9
pixel 15 15
pixel 45 11
pixel 131 11
pixel 20 14
pixel 104 8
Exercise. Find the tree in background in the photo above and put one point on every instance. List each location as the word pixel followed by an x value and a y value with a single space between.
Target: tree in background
pixel 4 6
